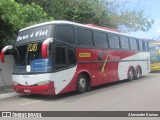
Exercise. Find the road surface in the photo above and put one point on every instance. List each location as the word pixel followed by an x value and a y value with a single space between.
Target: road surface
pixel 137 95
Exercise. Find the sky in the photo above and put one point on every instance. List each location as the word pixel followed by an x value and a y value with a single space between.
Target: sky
pixel 151 9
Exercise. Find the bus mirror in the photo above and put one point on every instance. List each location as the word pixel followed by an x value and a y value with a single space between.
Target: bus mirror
pixel 4 50
pixel 45 47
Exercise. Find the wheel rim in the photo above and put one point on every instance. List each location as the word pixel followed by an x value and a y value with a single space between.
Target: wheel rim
pixel 82 83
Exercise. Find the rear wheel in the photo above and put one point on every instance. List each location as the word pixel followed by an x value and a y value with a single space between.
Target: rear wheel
pixel 130 74
pixel 82 83
pixel 138 73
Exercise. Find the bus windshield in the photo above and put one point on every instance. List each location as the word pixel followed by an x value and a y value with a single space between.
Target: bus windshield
pixel 154 53
pixel 28 59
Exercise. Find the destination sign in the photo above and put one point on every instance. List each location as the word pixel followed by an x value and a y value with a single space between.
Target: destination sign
pixel 34 34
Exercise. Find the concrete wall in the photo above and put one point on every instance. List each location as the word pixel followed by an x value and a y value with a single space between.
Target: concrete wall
pixel 7 69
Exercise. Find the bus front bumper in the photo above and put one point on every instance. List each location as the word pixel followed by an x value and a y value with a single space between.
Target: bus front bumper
pixel 42 90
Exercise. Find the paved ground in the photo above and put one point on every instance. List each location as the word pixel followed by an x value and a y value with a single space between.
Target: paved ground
pixel 138 95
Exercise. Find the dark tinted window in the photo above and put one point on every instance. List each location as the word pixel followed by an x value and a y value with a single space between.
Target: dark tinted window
pixel 140 45
pixel 65 33
pixel 84 37
pixel 133 44
pixel 71 56
pixel 60 57
pixel 137 42
pixel 22 52
pixel 124 42
pixel 146 46
pixel 100 39
pixel 113 41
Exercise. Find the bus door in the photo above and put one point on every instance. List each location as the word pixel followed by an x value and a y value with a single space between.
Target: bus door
pixel 107 69
pixel 65 65
pixel 97 68
pixel 103 74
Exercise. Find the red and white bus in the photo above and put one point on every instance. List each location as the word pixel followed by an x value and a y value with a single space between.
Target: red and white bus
pixel 61 56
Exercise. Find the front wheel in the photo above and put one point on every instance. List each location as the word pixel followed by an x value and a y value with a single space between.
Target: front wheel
pixel 82 83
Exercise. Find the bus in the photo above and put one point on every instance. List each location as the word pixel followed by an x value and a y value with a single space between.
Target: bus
pixel 61 56
pixel 154 48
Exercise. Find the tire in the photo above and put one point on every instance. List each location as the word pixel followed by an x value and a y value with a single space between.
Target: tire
pixel 138 73
pixel 130 74
pixel 82 83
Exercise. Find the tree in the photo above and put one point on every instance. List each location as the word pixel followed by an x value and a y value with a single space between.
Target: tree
pixel 106 13
pixel 82 11
pixel 128 19
pixel 14 16
pixel 132 21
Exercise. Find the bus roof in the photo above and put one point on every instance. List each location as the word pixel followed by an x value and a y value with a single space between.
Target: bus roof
pixel 78 24
pixel 105 28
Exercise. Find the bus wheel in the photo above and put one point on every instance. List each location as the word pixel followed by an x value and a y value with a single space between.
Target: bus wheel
pixel 138 73
pixel 130 74
pixel 82 83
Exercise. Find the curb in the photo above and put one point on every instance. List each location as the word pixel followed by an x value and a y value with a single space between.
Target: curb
pixel 7 95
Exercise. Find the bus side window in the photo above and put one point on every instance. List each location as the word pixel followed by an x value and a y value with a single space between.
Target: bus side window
pixel 100 40
pixel 144 47
pixel 84 37
pixel 137 42
pixel 113 41
pixel 65 33
pixel 140 45
pixel 133 43
pixel 146 44
pixel 124 43
pixel 60 57
pixel 71 57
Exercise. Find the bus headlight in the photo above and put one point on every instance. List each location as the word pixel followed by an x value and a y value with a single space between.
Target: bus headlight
pixel 44 82
pixel 15 83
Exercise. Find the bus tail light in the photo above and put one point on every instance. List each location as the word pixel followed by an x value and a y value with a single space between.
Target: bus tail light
pixel 4 50
pixel 45 47
pixel 15 83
